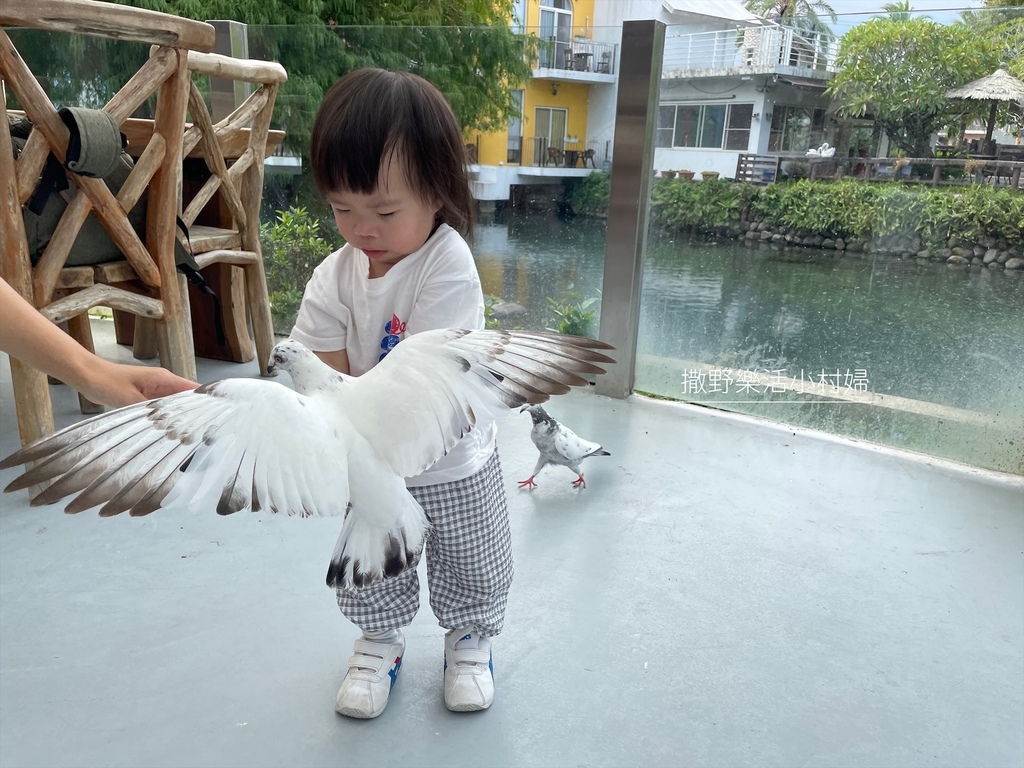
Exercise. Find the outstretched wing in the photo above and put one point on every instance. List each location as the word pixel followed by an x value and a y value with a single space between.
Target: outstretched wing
pixel 231 445
pixel 434 386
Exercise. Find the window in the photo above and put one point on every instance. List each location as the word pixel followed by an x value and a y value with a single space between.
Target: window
pixel 549 134
pixel 515 132
pixel 796 129
pixel 711 126
pixel 556 31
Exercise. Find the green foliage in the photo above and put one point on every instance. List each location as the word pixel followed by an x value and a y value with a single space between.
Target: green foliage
pixel 589 196
pixel 292 248
pixel 572 313
pixel 490 321
pixel 853 209
pixel 804 15
pixel 832 210
pixel 712 205
pixel 466 48
pixel 1002 23
pixel 900 69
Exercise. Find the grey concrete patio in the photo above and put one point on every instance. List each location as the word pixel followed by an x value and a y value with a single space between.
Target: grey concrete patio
pixel 725 592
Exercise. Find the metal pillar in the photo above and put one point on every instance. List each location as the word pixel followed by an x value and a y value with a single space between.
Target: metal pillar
pixel 636 112
pixel 225 95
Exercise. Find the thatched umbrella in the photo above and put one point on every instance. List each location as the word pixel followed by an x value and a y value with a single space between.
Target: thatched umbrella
pixel 997 87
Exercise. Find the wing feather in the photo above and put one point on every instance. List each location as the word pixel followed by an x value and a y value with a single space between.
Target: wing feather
pixel 418 401
pixel 215 446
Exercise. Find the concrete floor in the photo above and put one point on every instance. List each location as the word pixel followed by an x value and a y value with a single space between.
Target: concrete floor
pixel 725 592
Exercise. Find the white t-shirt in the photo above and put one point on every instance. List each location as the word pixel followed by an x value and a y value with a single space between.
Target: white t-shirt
pixel 434 287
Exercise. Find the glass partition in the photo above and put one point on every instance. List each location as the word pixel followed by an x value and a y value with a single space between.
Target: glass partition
pixel 769 297
pixel 885 310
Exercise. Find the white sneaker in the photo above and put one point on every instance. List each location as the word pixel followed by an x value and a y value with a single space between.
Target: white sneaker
pixel 468 672
pixel 372 671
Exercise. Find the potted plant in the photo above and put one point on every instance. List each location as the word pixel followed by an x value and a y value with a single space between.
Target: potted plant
pixel 709 174
pixel 668 174
pixel 685 174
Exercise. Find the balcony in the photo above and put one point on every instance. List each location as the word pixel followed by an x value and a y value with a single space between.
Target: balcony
pixel 746 51
pixel 574 58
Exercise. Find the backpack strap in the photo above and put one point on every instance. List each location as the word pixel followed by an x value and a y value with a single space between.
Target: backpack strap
pixel 186 263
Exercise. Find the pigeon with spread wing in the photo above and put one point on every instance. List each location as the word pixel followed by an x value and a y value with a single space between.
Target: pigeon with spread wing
pixel 334 445
pixel 558 445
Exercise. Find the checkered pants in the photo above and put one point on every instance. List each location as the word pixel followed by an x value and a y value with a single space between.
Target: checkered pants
pixel 469 561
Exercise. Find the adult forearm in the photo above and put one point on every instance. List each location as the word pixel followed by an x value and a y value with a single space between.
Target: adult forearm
pixel 28 336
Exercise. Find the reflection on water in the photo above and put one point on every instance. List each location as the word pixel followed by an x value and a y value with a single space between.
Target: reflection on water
pixel 942 346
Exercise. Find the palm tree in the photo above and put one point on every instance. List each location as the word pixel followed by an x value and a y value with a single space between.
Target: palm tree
pixel 898 11
pixel 804 16
pixel 780 10
pixel 799 14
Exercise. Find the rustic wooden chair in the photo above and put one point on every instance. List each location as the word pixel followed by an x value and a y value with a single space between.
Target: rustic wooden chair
pixel 232 152
pixel 66 294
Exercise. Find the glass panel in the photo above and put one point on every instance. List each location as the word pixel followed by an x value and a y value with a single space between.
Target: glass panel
pixel 870 339
pixel 666 125
pixel 737 135
pixel 777 129
pixel 854 312
pixel 713 125
pixel 687 126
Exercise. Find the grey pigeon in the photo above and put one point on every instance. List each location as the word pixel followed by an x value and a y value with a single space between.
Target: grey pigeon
pixel 558 445
pixel 335 445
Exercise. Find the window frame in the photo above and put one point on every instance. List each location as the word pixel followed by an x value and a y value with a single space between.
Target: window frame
pixel 726 128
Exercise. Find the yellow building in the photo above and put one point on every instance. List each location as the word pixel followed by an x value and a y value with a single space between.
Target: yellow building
pixel 573 75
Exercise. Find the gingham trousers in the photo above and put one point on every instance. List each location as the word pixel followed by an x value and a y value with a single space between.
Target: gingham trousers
pixel 469 561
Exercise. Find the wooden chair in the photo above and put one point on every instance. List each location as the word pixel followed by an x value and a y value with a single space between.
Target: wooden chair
pixel 234 150
pixel 65 294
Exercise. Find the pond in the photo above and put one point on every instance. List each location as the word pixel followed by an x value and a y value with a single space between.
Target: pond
pixel 920 356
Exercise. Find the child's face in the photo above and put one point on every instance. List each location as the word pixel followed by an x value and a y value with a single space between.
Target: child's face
pixel 388 224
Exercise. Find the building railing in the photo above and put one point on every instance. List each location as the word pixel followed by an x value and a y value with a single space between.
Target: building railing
pixel 575 53
pixel 515 150
pixel 544 153
pixel 757 49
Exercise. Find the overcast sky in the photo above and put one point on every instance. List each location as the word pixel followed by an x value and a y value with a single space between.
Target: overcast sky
pixel 853 12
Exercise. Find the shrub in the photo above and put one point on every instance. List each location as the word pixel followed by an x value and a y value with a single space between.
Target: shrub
pixel 712 206
pixel 292 248
pixel 589 196
pixel 571 313
pixel 854 209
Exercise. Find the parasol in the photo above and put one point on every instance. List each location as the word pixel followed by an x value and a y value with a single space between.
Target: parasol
pixel 999 86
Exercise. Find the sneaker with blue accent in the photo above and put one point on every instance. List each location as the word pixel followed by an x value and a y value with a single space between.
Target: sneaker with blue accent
pixel 372 671
pixel 468 671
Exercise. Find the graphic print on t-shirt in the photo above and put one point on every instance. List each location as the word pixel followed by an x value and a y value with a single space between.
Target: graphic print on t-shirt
pixel 392 328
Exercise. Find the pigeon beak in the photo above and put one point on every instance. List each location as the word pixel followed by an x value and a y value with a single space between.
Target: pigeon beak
pixel 525 408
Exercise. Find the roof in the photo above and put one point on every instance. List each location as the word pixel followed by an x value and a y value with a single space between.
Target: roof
pixel 999 86
pixel 728 10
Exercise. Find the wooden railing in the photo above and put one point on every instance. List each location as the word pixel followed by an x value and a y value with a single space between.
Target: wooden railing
pixel 974 170
pixel 757 169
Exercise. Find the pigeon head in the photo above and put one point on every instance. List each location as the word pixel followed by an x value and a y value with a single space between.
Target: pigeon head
pixel 537 413
pixel 308 371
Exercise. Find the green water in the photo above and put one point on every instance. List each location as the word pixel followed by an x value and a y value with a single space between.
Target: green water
pixel 943 346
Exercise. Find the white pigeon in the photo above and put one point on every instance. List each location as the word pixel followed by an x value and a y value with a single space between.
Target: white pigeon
pixel 558 445
pixel 335 445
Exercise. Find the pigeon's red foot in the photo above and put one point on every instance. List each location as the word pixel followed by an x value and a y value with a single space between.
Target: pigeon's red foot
pixel 579 482
pixel 528 482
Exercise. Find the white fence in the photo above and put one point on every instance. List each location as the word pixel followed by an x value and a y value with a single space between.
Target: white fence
pixel 757 49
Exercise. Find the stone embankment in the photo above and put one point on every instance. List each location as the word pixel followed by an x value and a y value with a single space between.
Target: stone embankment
pixel 987 252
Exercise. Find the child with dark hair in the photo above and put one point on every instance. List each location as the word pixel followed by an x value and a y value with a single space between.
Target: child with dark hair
pixel 388 155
